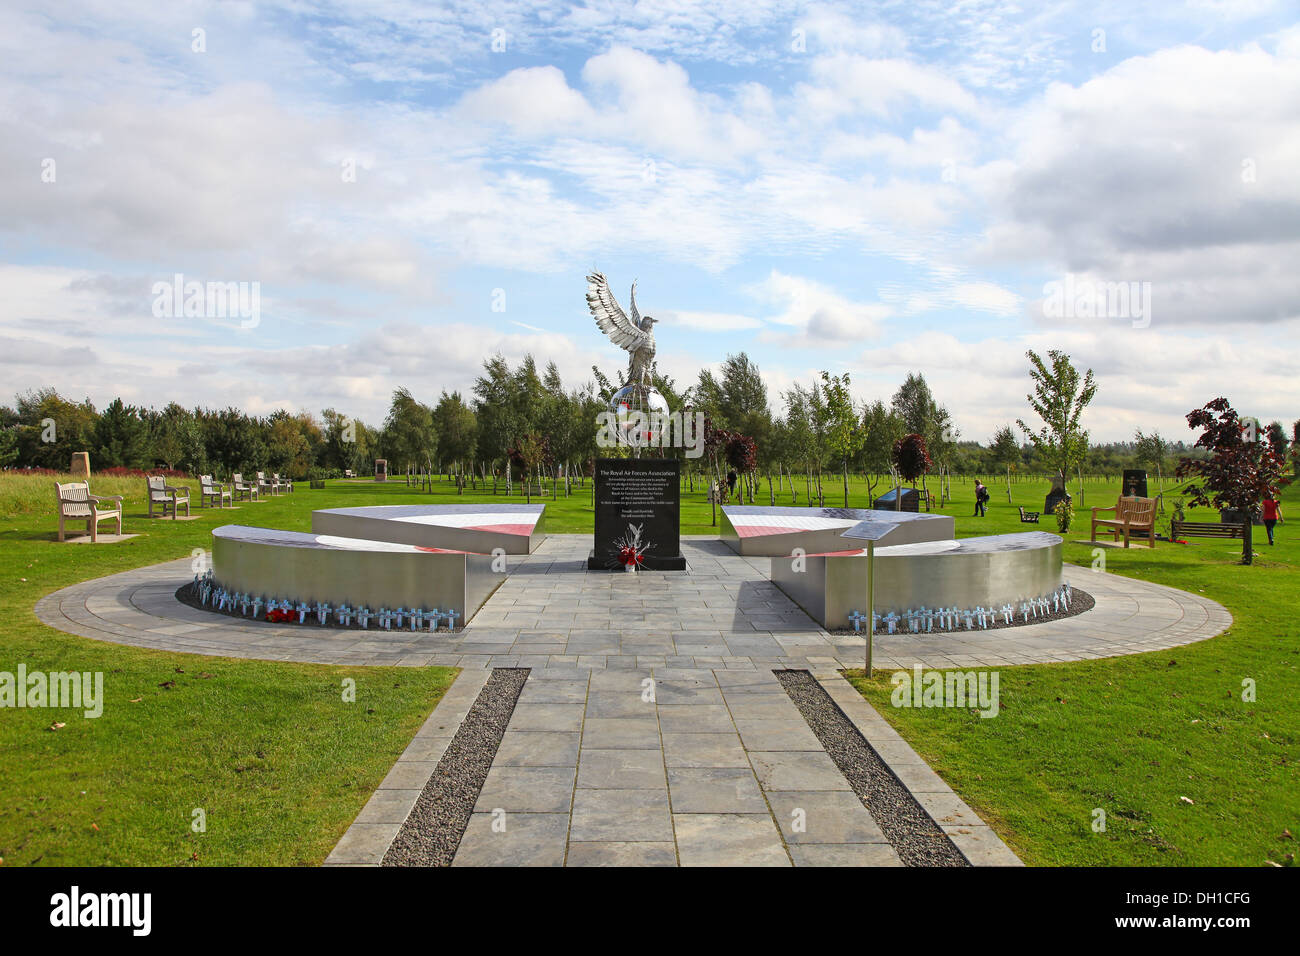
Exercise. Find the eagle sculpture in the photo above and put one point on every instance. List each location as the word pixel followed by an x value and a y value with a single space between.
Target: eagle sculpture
pixel 634 334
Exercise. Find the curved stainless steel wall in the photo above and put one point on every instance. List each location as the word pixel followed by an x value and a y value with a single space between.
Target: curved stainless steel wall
pixel 276 567
pixel 969 576
pixel 983 571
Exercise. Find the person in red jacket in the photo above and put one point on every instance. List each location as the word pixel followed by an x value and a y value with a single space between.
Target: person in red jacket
pixel 1272 515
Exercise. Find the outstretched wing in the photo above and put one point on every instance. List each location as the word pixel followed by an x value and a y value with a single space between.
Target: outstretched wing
pixel 609 315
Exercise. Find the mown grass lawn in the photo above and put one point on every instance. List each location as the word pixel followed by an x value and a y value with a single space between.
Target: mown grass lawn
pixel 1133 736
pixel 270 753
pixel 280 765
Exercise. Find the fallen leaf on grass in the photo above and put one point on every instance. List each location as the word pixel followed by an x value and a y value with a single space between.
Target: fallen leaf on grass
pixel 168 684
pixel 1187 800
pixel 135 700
pixel 57 725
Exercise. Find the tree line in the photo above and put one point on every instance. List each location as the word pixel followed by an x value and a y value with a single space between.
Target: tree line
pixel 521 425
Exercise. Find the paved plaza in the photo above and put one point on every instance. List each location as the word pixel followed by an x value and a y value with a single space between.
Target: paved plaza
pixel 652 729
pixel 553 612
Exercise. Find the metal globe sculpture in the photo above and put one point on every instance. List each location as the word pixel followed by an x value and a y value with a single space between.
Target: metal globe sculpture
pixel 638 409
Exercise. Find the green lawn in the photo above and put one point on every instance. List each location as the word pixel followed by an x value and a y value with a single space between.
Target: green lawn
pixel 270 753
pixel 281 765
pixel 1134 735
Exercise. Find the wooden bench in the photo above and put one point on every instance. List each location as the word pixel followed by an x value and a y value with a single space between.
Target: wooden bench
pixel 164 496
pixel 1206 529
pixel 1131 515
pixel 243 489
pixel 78 505
pixel 211 492
pixel 1028 517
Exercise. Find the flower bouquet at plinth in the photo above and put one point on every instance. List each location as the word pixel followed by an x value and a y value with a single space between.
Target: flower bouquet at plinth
pixel 631 548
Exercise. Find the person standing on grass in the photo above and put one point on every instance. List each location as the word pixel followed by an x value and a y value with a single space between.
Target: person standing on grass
pixel 981 497
pixel 1272 515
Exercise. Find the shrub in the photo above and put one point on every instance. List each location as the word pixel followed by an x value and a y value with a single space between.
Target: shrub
pixel 1064 512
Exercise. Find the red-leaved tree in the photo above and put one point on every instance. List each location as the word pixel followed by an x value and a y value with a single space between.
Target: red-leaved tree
pixel 1241 470
pixel 912 459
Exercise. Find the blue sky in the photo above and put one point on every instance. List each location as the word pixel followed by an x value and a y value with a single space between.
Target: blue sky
pixel 871 188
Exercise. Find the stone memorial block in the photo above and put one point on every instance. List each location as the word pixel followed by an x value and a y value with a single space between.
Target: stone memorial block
pixel 81 465
pixel 1135 483
pixel 1056 495
pixel 381 469
pixel 886 502
pixel 638 499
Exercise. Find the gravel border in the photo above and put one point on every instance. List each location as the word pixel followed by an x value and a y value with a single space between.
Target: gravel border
pixel 916 838
pixel 188 595
pixel 432 832
pixel 1081 602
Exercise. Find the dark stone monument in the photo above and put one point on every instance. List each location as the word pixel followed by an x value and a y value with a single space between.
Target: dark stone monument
pixel 1236 516
pixel 638 494
pixel 886 502
pixel 1056 495
pixel 1135 483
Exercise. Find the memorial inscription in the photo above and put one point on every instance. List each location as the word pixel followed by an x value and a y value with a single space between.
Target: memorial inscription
pixel 638 502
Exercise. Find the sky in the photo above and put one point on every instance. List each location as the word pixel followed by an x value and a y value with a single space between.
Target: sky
pixel 875 189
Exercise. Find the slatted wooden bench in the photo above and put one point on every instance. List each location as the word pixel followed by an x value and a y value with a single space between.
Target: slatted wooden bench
pixel 1131 515
pixel 78 505
pixel 1028 517
pixel 164 497
pixel 1206 529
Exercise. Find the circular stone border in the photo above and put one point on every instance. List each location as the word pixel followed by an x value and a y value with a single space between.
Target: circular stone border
pixel 750 623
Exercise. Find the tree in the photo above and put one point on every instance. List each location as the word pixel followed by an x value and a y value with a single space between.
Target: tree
pixel 457 428
pixel 1295 448
pixel 914 403
pixel 1240 471
pixel 921 414
pixel 1059 398
pixel 176 439
pixel 495 411
pixel 52 428
pixel 912 460
pixel 881 428
pixel 409 437
pixel 8 445
pixel 233 440
pixel 121 437
pixel 1152 451
pixel 843 436
pixel 1277 439
pixel 527 457
pixel 1006 452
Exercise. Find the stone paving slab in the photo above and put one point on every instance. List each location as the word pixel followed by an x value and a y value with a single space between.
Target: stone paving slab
pixel 696 794
pixel 722 614
pixel 652 730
